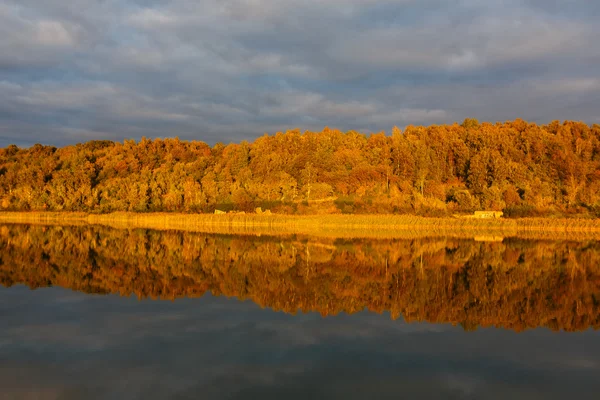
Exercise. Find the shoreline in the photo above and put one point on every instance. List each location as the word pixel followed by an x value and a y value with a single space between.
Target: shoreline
pixel 328 225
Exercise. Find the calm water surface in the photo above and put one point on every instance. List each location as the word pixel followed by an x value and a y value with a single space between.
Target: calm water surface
pixel 139 314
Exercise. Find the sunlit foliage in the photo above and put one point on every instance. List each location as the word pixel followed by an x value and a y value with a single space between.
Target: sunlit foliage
pixel 518 167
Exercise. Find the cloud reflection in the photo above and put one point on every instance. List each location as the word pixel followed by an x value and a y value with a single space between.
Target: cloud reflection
pixel 108 347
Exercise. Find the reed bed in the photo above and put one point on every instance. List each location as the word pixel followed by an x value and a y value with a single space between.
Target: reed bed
pixel 388 226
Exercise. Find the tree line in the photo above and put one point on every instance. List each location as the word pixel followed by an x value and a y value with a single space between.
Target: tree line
pixel 516 284
pixel 518 167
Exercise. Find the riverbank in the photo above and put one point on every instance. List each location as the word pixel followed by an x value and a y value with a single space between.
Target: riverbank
pixel 322 225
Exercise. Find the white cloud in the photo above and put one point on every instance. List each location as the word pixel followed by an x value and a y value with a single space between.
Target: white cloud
pixel 296 103
pixel 567 86
pixel 54 95
pixel 134 110
pixel 28 41
pixel 52 33
pixel 152 19
pixel 411 116
pixel 483 42
pixel 467 59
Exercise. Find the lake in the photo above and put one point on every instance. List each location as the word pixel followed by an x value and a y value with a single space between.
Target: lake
pixel 145 314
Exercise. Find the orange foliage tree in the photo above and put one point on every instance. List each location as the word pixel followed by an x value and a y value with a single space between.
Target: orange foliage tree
pixel 522 168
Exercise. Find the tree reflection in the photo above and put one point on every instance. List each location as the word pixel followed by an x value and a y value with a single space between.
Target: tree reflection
pixel 515 283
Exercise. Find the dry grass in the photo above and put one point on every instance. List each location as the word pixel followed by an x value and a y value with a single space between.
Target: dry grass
pixel 323 225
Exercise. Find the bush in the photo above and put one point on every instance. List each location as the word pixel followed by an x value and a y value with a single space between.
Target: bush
pixel 345 204
pixel 521 211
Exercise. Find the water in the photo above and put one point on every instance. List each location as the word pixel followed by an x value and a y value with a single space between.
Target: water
pixel 123 314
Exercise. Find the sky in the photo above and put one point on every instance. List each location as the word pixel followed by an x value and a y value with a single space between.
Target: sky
pixel 229 70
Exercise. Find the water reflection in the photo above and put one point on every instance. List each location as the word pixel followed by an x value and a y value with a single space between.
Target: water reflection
pixel 512 283
pixel 59 344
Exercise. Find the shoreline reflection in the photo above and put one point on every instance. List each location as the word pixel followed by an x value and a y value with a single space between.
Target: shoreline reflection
pixel 511 283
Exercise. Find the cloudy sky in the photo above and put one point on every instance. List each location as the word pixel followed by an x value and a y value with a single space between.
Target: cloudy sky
pixel 226 70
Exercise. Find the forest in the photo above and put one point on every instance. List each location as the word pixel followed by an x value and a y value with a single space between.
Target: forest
pixel 520 168
pixel 516 283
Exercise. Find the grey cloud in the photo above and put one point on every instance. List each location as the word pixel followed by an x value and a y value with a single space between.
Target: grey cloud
pixel 231 70
pixel 34 42
pixel 587 9
pixel 485 42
